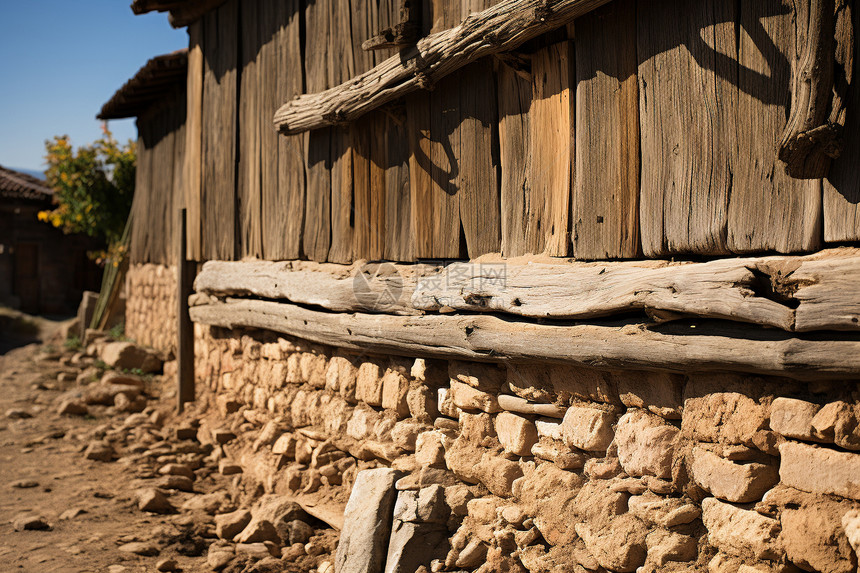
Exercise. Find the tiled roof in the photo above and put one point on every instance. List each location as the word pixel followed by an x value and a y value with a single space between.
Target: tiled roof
pixel 16 185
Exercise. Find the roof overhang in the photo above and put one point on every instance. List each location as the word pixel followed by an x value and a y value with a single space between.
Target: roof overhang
pixel 159 77
pixel 182 12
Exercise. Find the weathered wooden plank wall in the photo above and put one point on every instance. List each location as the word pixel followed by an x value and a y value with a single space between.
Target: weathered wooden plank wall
pixel 220 110
pixel 688 131
pixel 317 223
pixel 443 226
pixel 515 99
pixel 552 147
pixel 143 186
pixel 605 202
pixel 160 180
pixel 768 209
pixel 478 157
pixel 284 209
pixel 193 164
pixel 842 186
pixel 340 66
pixel 399 239
pixel 250 132
pixel 651 133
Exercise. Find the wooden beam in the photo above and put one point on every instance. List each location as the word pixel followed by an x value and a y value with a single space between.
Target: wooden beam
pixel 501 28
pixel 795 294
pixel 184 327
pixel 674 347
pixel 339 288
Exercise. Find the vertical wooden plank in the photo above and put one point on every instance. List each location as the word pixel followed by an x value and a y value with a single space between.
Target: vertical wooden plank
pixel 378 185
pixel 162 222
pixel 140 199
pixel 364 223
pixel 768 209
pixel 842 186
pixel 150 210
pixel 219 132
pixel 317 224
pixel 515 99
pixel 284 207
pixel 480 211
pixel 249 180
pixel 150 246
pixel 341 67
pixel 444 14
pixel 387 15
pixel 444 226
pixel 180 148
pixel 142 193
pixel 365 22
pixel 422 207
pixel 171 199
pixel 184 327
pixel 606 184
pixel 687 101
pixel 342 189
pixel 552 138
pixel 471 6
pixel 194 137
pixel 399 240
pixel 268 26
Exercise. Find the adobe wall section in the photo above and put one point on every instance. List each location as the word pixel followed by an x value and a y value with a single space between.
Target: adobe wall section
pixel 150 316
pixel 548 468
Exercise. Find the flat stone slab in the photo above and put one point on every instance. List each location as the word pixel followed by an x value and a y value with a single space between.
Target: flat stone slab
pixel 367 522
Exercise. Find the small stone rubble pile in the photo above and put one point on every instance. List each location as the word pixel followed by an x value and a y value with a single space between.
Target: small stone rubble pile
pixel 177 468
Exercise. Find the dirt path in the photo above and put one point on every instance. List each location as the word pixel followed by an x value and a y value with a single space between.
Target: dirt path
pixel 60 511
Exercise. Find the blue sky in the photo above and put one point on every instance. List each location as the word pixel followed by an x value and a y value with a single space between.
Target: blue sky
pixel 60 61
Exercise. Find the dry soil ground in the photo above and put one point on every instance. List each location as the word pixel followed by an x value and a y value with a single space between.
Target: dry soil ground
pixel 89 508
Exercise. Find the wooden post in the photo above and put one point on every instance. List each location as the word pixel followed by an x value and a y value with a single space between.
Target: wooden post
pixel 184 327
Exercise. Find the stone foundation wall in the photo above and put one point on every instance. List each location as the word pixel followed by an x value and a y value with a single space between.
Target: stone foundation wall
pixel 536 467
pixel 150 316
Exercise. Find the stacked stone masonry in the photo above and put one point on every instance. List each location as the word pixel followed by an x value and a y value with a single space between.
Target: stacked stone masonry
pixel 539 468
pixel 150 316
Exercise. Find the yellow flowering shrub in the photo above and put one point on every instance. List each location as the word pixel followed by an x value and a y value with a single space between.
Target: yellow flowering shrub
pixel 93 186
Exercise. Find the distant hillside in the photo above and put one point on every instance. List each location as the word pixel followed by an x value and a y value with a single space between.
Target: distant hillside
pixel 32 172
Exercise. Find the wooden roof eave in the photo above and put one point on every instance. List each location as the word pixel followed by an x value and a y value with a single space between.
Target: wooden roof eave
pixel 501 28
pixel 181 12
pixel 158 78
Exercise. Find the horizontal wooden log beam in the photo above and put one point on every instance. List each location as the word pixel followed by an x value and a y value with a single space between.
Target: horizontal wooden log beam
pixel 791 293
pixel 503 27
pixel 677 347
pixel 362 287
